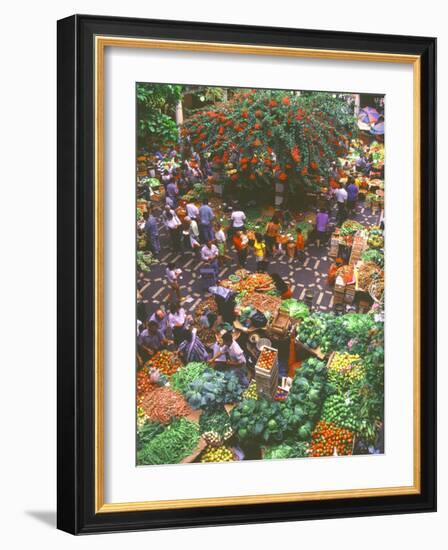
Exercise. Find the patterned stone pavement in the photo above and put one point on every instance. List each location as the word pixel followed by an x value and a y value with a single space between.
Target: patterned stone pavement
pixel 311 273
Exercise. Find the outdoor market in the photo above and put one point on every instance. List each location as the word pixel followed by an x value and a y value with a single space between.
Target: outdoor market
pixel 260 274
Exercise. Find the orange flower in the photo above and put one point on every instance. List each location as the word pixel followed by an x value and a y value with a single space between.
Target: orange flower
pixel 257 126
pixel 254 160
pixel 244 114
pixel 286 101
pixel 221 130
pixel 272 103
pixel 257 143
pixel 258 113
pixel 304 171
pixel 295 153
pixel 283 176
pixel 313 165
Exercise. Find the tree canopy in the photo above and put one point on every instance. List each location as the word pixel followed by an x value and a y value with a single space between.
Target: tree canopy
pixel 262 136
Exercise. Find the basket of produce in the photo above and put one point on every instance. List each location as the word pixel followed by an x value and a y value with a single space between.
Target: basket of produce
pixel 350 227
pixel 367 273
pixel 376 290
pixel 375 239
pixel 328 440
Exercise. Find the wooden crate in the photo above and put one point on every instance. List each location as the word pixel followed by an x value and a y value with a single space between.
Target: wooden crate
pixel 267 381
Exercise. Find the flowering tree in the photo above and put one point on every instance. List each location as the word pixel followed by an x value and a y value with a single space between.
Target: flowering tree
pixel 263 136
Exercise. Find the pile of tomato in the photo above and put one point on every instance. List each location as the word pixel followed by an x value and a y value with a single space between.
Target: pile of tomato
pixel 166 362
pixel 328 437
pixel 144 385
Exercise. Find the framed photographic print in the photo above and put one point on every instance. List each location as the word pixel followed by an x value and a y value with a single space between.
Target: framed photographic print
pixel 246 274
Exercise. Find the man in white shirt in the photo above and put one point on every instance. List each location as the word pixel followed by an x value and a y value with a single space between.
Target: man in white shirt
pixel 231 356
pixel 341 200
pixel 238 218
pixel 209 255
pixel 192 211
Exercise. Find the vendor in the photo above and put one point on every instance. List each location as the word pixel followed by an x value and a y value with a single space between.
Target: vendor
pixel 178 321
pixel 230 354
pixel 192 349
pixel 331 278
pixel 282 288
pixel 151 340
pixel 161 318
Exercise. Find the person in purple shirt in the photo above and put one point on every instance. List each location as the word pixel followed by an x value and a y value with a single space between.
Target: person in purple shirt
pixel 171 192
pixel 352 195
pixel 206 217
pixel 321 226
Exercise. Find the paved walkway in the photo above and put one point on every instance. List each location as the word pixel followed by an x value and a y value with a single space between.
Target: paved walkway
pixel 309 274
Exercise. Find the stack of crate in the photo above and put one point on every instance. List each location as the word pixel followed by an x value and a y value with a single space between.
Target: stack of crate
pixel 334 245
pixel 267 379
pixel 350 293
pixel 358 247
pixel 339 294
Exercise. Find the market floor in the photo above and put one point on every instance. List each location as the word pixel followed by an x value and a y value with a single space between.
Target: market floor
pixel 311 273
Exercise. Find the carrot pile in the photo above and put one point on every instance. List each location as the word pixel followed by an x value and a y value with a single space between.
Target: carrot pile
pixel 162 404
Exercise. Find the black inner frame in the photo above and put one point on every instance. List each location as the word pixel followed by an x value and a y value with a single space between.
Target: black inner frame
pixel 76 391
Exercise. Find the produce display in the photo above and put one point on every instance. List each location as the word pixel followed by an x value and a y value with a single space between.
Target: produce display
pixel 368 272
pixel 374 256
pixel 214 388
pixel 182 378
pixel 161 404
pixel 350 227
pixel 165 362
pixel 176 442
pixel 345 367
pixel 267 359
pixel 311 330
pixel 217 454
pixel 258 420
pixel 338 410
pixel 376 238
pixel 328 440
pixel 295 309
pixel 251 391
pixel 376 290
pixel 288 449
pixel 145 259
pixel 254 281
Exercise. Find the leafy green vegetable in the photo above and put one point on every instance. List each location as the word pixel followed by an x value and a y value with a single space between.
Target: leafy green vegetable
pixel 295 309
pixel 183 377
pixel 375 256
pixel 214 420
pixel 147 432
pixel 258 420
pixel 214 388
pixel 287 449
pixel 172 445
pixel 145 260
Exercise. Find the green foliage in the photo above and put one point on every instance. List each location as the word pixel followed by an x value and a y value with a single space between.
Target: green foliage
pixel 172 445
pixel 145 259
pixel 155 111
pixel 280 136
pixel 214 388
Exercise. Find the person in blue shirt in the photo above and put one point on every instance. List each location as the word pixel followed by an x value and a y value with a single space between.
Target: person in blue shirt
pixel 352 195
pixel 206 217
pixel 152 233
